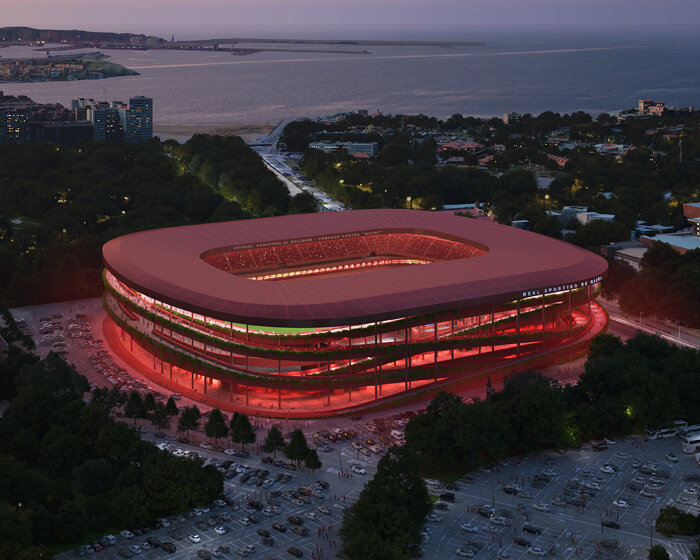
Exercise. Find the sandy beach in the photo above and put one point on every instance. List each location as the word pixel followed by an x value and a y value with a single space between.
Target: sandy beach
pixel 181 133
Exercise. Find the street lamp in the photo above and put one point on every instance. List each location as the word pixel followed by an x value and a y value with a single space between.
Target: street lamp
pixel 409 200
pixel 544 202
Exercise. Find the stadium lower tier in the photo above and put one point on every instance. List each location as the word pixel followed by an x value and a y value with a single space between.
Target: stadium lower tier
pixel 281 372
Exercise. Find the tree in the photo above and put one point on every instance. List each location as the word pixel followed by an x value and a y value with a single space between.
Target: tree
pixel 247 434
pixel 297 448
pixel 386 520
pixel 216 425
pixel 171 407
pixel 658 552
pixel 311 461
pixel 274 441
pixel 159 417
pixel 149 402
pixel 189 420
pixel 241 429
pixel 95 476
pixel 134 407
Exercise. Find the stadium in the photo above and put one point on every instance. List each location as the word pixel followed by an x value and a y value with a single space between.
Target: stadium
pixel 319 314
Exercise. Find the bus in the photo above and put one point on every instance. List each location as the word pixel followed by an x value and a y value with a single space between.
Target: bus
pixel 688 430
pixel 691 443
pixel 662 433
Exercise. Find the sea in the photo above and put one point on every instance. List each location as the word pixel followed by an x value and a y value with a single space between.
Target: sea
pixel 517 69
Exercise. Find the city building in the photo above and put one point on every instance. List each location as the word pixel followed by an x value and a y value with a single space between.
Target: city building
pixel 130 122
pixel 369 148
pixel 62 133
pixel 106 121
pixel 318 314
pixel 682 241
pixel 651 107
pixel 139 120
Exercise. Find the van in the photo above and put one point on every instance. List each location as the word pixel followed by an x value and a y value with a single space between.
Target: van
pixel 109 540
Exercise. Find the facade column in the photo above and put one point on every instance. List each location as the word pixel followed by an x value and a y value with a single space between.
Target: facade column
pixel 435 355
pixel 279 388
pixel 478 330
pixel 247 397
pixel 405 361
pixel 571 317
pixel 230 389
pixel 204 377
pixel 589 300
pixel 376 360
pixel 493 328
pixel 192 385
pixel 330 379
pixel 543 324
pixel 247 333
pixel 171 369
pixel 517 328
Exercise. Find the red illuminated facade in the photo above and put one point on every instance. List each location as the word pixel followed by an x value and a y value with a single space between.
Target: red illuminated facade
pixel 315 314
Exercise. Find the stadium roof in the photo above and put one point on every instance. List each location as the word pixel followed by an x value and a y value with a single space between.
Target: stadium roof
pixel 166 264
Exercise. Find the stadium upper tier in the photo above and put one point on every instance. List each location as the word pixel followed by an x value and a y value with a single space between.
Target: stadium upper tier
pixel 422 248
pixel 201 268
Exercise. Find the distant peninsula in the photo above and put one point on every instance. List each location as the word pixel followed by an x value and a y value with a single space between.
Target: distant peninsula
pixel 91 66
pixel 103 40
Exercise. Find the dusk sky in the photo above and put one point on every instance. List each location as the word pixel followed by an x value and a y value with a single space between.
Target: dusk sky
pixel 93 14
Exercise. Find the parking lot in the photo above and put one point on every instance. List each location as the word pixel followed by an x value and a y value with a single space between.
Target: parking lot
pixel 568 504
pixel 568 496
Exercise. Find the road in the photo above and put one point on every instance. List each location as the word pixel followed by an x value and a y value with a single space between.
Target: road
pixel 626 327
pixel 280 163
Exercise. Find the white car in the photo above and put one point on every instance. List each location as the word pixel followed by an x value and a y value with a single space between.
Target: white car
pixel 549 472
pixel 606 469
pixel 136 549
pixel 541 507
pixel 620 503
pixel 310 515
pixel 434 518
pixel 535 551
pixel 220 530
pixel 469 528
pixel 194 539
pixel 498 521
pixel 359 470
pixel 244 521
pixel 465 552
pixel 609 441
pixel 219 503
pixel 230 451
pixel 127 534
pixel 671 457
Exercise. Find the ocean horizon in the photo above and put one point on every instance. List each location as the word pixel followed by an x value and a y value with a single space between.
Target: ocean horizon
pixel 521 69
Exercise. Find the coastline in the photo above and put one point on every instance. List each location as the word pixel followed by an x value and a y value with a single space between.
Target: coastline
pixel 182 132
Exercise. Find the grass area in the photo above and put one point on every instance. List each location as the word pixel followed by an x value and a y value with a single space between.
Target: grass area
pixel 89 538
pixel 109 68
pixel 280 330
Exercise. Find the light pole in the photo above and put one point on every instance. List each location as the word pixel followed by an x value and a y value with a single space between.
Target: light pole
pixel 544 202
pixel 410 202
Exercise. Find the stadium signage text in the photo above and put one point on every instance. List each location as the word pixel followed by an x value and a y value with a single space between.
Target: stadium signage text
pixel 562 287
